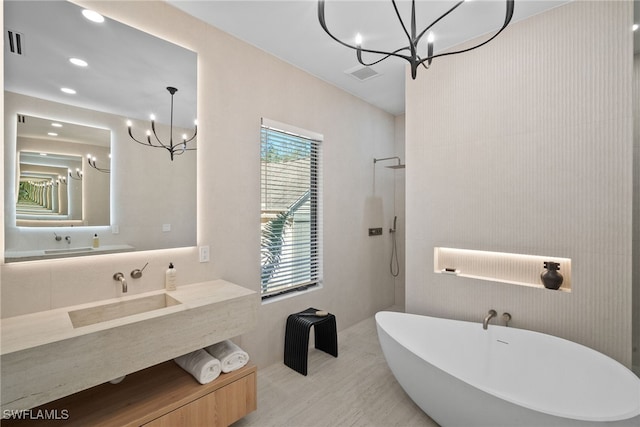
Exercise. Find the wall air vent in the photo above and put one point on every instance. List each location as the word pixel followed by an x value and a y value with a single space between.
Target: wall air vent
pixel 15 42
pixel 21 118
pixel 362 73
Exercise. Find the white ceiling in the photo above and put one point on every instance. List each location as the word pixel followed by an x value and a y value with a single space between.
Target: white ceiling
pixel 55 31
pixel 290 31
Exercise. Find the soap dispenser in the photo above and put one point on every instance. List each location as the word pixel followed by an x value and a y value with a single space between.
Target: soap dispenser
pixel 96 241
pixel 170 278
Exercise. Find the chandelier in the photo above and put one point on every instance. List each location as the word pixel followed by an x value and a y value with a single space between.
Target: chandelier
pixel 92 162
pixel 77 175
pixel 410 51
pixel 173 149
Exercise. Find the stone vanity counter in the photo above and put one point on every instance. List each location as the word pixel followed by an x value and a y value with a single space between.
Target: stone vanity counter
pixel 44 357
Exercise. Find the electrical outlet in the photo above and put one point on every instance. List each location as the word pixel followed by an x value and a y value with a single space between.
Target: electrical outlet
pixel 166 227
pixel 204 253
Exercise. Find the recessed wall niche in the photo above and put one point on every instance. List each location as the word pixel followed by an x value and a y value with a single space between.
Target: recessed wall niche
pixel 515 269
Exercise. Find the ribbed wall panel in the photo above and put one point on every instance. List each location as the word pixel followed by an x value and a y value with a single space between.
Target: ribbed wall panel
pixel 525 146
pixel 636 210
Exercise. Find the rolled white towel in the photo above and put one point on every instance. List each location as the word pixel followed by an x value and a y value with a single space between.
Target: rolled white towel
pixel 230 355
pixel 202 365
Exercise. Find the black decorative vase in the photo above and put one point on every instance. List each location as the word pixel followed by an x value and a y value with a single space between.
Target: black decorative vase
pixel 551 279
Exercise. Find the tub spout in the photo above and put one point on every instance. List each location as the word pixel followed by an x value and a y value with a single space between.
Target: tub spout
pixel 120 277
pixel 485 324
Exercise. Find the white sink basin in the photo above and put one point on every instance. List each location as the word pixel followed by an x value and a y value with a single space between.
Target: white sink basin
pixel 67 250
pixel 117 310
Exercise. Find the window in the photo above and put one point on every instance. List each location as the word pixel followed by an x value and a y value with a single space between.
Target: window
pixel 290 246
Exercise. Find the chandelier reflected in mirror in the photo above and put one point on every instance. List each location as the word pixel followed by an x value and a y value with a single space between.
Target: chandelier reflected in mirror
pixel 93 163
pixel 410 52
pixel 173 149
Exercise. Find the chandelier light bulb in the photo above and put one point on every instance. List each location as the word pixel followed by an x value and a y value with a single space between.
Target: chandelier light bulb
pixel 431 37
pixel 152 117
pixel 184 136
pixel 358 39
pixel 635 27
pixel 129 124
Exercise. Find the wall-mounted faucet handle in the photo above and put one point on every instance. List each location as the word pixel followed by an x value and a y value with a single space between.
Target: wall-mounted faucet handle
pixel 119 277
pixel 68 239
pixel 137 273
pixel 58 238
pixel 507 318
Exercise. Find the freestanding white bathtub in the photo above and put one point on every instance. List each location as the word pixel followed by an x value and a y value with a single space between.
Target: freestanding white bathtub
pixel 462 375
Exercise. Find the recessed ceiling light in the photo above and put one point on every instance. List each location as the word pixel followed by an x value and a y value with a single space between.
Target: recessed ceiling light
pixel 93 16
pixel 52 134
pixel 56 125
pixel 79 62
pixel 68 90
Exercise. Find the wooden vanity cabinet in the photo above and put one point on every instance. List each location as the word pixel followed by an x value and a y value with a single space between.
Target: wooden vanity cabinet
pixel 160 396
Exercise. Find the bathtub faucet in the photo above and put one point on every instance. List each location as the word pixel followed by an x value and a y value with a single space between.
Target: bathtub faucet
pixel 485 324
pixel 119 277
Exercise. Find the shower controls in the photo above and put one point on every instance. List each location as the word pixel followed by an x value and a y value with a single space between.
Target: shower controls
pixel 375 231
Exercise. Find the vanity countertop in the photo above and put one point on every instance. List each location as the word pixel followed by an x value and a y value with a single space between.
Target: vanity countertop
pixel 44 357
pixel 35 329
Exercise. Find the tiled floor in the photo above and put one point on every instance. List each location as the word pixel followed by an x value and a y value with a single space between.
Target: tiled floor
pixel 356 389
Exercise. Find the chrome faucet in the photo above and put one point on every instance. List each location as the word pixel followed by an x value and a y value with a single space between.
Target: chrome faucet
pixel 68 239
pixel 120 277
pixel 485 324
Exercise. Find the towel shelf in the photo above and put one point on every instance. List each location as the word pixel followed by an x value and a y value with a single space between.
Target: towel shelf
pixel 159 396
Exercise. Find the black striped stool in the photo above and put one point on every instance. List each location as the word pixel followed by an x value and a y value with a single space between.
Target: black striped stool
pixel 296 338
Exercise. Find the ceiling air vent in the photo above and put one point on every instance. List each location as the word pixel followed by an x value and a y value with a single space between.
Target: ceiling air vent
pixel 362 73
pixel 15 42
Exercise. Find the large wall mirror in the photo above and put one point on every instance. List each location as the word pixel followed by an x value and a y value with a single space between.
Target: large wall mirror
pixel 72 171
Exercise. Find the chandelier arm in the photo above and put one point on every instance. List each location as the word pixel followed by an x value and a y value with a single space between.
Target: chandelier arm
pixel 139 142
pixel 455 6
pixel 395 7
pixel 193 137
pixel 188 140
pixel 508 16
pixel 326 30
pixel 387 55
pixel 153 130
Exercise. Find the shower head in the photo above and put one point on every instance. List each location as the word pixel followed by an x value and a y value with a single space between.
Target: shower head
pixel 397 166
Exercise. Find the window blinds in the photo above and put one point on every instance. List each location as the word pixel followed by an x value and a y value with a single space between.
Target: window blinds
pixel 290 208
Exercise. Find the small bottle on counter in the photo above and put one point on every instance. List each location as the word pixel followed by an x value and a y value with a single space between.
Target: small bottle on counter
pixel 96 241
pixel 170 278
